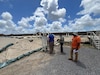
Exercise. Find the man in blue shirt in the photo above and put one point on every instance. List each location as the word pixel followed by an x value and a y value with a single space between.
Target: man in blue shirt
pixel 51 43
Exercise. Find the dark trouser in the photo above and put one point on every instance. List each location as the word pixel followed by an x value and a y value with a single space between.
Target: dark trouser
pixel 61 47
pixel 51 47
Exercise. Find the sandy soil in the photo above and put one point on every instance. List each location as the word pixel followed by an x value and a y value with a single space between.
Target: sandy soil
pixel 26 65
pixel 23 45
pixel 20 47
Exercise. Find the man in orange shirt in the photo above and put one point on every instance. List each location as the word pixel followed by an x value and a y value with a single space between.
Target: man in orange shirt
pixel 75 45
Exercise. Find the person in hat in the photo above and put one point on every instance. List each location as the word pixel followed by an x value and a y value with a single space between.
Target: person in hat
pixel 75 45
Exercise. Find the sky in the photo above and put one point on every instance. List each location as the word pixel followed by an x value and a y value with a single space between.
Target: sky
pixel 32 16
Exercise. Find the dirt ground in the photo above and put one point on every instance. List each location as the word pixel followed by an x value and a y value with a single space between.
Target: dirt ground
pixel 31 63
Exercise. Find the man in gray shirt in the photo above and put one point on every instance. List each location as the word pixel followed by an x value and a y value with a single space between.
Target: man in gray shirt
pixel 61 43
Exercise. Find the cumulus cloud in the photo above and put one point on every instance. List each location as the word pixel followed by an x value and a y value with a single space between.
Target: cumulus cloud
pixel 90 6
pixel 62 20
pixel 51 7
pixel 39 12
pixel 55 15
pixel 24 22
pixel 2 23
pixel 25 26
pixel 86 22
pixel 7 26
pixel 40 21
pixel 56 26
pixel 49 10
pixel 67 28
pixel 6 16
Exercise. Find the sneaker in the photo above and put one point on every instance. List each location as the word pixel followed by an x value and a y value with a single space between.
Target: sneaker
pixel 70 59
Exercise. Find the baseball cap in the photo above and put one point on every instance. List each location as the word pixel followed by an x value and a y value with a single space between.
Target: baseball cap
pixel 74 33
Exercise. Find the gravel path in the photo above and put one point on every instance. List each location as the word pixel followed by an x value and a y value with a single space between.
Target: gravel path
pixel 44 64
pixel 88 64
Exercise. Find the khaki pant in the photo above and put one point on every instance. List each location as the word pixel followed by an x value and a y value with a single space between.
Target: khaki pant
pixel 71 54
pixel 51 47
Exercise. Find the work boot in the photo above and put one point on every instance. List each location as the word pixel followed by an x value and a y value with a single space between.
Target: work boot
pixel 70 59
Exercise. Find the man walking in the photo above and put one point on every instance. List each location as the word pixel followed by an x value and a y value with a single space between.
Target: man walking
pixel 75 45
